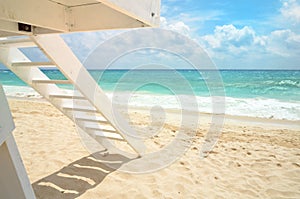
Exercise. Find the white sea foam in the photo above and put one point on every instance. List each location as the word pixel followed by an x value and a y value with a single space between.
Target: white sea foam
pixel 264 108
pixel 252 107
pixel 21 91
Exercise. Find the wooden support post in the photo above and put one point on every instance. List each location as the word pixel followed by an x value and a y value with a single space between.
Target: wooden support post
pixel 14 182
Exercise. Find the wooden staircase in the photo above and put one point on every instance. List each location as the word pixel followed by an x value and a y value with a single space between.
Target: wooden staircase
pixel 88 107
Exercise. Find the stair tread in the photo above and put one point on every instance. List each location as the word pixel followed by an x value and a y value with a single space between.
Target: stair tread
pixel 101 128
pixel 30 64
pixel 113 136
pixel 66 96
pixel 90 118
pixel 17 42
pixel 79 108
pixel 51 81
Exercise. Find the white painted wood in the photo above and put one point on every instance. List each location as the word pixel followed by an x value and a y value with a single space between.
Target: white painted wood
pixel 110 18
pixel 41 13
pixel 112 136
pixel 14 182
pixel 101 129
pixel 89 118
pixel 13 55
pixel 55 16
pixel 6 122
pixel 3 134
pixel 16 42
pixel 11 26
pixel 96 126
pixel 99 122
pixel 72 3
pixel 32 64
pixel 141 11
pixel 57 51
pixel 50 81
pixel 19 169
pixel 79 108
pixel 66 96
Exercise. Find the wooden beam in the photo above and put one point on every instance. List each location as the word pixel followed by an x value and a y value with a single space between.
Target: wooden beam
pixel 100 16
pixel 6 123
pixel 39 13
pixel 145 11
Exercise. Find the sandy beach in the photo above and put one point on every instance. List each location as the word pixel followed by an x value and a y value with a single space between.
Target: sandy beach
pixel 254 158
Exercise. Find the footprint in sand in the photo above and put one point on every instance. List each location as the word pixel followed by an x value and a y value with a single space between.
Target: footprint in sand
pixel 296 165
pixel 279 165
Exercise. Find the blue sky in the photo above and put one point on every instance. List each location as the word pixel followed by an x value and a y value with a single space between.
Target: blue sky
pixel 236 34
pixel 240 33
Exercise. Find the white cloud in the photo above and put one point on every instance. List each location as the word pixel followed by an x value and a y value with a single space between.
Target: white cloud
pixel 291 11
pixel 83 43
pixel 284 43
pixel 178 26
pixel 144 46
pixel 240 46
pixel 230 38
pixel 207 15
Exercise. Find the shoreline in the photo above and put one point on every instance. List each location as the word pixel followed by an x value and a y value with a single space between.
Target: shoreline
pixel 257 107
pixel 253 121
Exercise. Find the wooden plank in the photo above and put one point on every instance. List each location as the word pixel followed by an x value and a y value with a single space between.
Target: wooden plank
pixel 69 16
pixel 13 177
pixel 147 12
pixel 91 118
pixel 109 135
pixel 79 108
pixel 66 96
pixel 110 18
pixel 38 13
pixel 17 42
pixel 96 126
pixel 100 129
pixel 50 81
pixel 72 3
pixel 12 28
pixel 32 64
pixel 6 122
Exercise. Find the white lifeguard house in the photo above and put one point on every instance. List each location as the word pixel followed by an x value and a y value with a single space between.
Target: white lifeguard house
pixel 40 22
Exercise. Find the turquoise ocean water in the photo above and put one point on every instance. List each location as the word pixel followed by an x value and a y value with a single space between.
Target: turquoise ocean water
pixel 258 93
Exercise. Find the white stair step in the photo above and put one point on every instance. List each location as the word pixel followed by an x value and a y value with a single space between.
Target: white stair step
pixel 91 118
pixel 17 42
pixel 50 81
pixel 67 96
pixel 80 108
pixel 113 136
pixel 33 64
pixel 100 128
